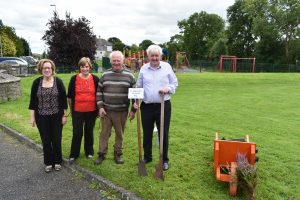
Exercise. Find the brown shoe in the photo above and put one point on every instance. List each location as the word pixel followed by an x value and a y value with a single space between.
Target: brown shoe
pixel 99 160
pixel 118 158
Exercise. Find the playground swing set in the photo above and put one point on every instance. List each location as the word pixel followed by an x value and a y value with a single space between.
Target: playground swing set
pixel 182 60
pixel 232 61
pixel 135 60
pixel 226 63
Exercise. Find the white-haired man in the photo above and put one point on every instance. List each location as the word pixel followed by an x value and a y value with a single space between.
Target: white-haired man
pixel 156 77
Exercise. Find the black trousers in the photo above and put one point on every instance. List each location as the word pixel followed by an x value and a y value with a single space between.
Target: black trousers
pixel 83 124
pixel 151 114
pixel 50 128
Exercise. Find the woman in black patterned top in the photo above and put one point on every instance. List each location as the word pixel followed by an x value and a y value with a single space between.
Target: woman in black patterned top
pixel 48 108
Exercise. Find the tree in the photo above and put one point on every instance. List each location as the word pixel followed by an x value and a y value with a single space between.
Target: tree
pixel 44 55
pixel 8 39
pixel 219 48
pixel 175 44
pixel 241 41
pixel 117 43
pixel 145 44
pixel 295 46
pixel 8 46
pixel 268 45
pixel 69 40
pixel 19 47
pixel 14 45
pixel 11 34
pixel 26 47
pixel 134 48
pixel 114 40
pixel 276 26
pixel 286 18
pixel 177 40
pixel 200 31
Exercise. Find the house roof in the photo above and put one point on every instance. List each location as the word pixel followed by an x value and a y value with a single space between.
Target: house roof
pixel 102 44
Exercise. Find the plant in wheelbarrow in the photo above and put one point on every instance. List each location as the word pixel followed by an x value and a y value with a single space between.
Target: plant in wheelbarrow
pixel 247 175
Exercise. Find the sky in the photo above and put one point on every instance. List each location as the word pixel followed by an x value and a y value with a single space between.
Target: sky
pixel 131 21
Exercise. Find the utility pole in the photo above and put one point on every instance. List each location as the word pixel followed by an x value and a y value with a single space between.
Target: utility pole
pixel 1 55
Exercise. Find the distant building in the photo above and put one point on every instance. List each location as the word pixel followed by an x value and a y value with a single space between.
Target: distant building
pixel 103 48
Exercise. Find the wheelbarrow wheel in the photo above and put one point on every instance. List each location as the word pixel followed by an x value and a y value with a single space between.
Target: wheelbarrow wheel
pixel 233 179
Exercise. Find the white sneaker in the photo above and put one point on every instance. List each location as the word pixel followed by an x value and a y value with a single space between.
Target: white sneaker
pixel 71 161
pixel 48 168
pixel 57 167
pixel 89 156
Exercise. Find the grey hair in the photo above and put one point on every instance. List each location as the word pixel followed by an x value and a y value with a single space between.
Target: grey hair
pixel 154 49
pixel 119 53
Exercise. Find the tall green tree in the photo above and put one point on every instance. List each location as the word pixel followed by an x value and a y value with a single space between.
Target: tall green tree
pixel 8 39
pixel 145 44
pixel 26 47
pixel 11 34
pixel 69 40
pixel 241 41
pixel 134 48
pixel 276 26
pixel 295 46
pixel 16 44
pixel 219 48
pixel 200 31
pixel 113 40
pixel 286 16
pixel 175 44
pixel 20 47
pixel 8 45
pixel 117 43
pixel 268 44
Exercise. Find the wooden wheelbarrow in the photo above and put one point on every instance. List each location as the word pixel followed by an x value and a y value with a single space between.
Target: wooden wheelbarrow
pixel 225 156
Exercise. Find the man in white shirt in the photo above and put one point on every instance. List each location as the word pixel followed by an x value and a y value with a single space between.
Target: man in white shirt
pixel 156 77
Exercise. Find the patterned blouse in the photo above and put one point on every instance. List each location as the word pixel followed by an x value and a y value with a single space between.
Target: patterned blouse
pixel 47 99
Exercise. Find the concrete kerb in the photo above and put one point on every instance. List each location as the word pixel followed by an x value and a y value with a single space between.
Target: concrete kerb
pixel 105 184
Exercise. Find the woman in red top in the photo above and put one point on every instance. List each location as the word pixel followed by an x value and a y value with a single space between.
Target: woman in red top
pixel 82 101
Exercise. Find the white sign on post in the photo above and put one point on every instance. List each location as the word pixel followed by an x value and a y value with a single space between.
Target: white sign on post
pixel 136 93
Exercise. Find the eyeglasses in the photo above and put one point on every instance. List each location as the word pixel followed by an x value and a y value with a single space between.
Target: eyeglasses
pixel 44 68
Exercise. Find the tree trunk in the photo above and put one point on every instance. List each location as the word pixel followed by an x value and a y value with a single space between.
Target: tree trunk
pixel 287 53
pixel 252 197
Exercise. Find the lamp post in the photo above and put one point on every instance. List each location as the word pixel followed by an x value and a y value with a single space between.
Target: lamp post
pixel 0 47
pixel 54 7
pixel 29 52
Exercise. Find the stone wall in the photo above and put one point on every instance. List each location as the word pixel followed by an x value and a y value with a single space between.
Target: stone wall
pixel 20 71
pixel 15 71
pixel 10 86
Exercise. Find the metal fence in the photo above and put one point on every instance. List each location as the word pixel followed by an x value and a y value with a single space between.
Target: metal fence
pixel 197 66
pixel 242 66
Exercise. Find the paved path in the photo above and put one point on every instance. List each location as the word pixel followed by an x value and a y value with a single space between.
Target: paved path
pixel 22 176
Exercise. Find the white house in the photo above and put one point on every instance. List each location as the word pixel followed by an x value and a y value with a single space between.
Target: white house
pixel 103 48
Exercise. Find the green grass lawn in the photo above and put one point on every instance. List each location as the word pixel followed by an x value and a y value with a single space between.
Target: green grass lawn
pixel 265 106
